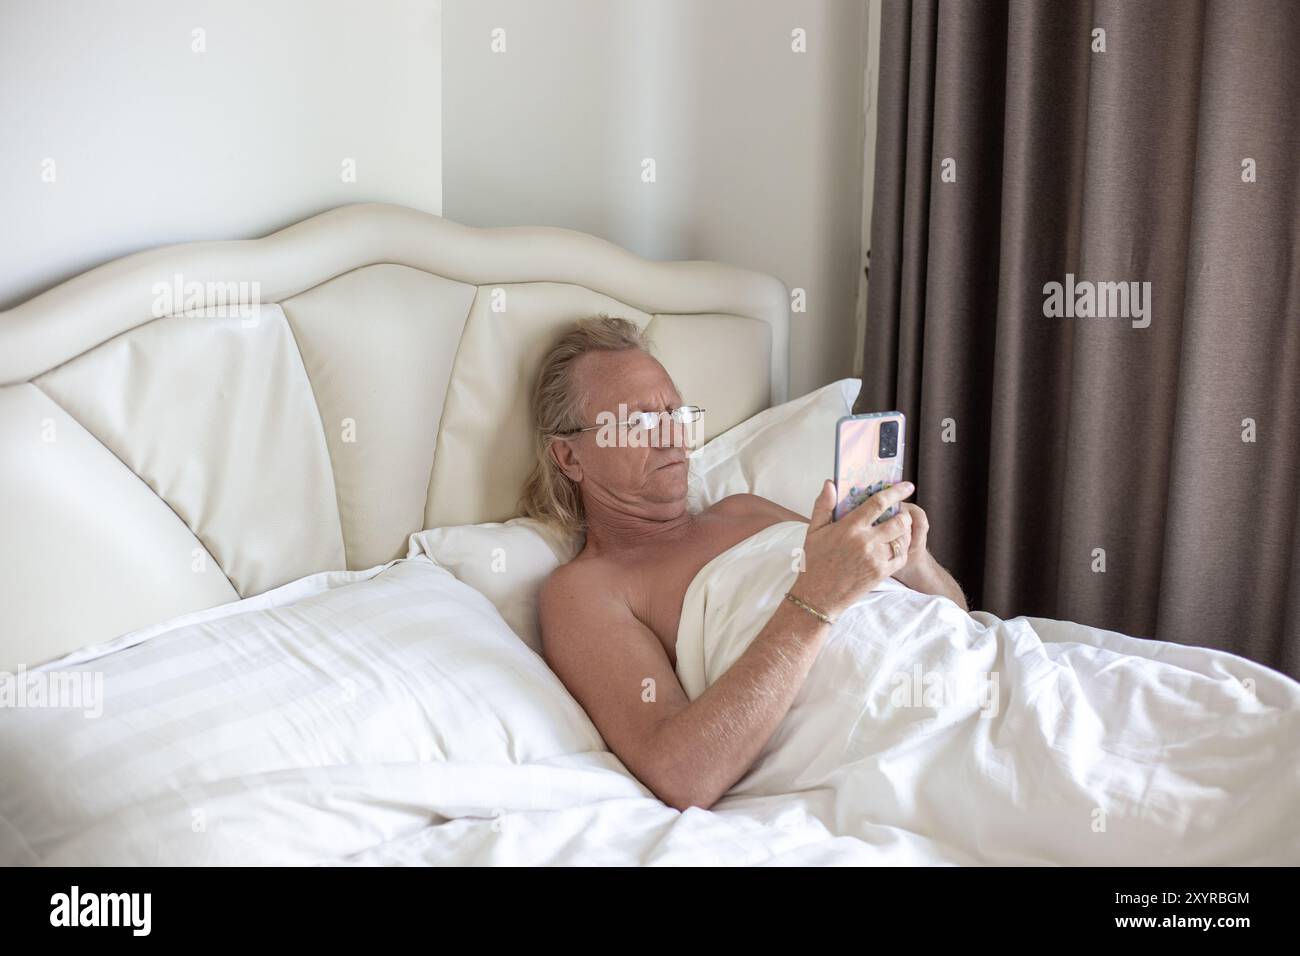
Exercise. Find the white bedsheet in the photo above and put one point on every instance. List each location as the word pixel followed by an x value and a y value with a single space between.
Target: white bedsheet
pixel 942 737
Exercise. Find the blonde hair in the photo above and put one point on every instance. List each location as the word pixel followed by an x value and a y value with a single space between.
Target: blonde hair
pixel 549 494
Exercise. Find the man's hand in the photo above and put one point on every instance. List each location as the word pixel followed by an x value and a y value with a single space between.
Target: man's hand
pixel 847 558
pixel 922 572
pixel 920 533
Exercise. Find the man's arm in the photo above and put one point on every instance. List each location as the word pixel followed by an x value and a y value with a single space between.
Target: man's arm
pixel 691 752
pixel 688 753
pixel 923 573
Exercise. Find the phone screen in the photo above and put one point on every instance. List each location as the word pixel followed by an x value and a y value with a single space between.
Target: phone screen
pixel 868 458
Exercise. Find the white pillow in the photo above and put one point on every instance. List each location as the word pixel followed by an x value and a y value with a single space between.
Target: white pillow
pixel 783 453
pixel 407 668
pixel 506 562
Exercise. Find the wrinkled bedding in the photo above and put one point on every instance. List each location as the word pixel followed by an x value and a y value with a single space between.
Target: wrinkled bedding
pixel 935 736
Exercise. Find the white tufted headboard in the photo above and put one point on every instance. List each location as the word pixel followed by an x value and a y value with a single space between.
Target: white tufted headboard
pixel 202 422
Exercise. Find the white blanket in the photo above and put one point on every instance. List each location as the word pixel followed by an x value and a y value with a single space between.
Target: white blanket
pixel 941 737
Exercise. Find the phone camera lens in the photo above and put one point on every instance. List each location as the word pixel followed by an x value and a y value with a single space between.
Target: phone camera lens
pixel 888 439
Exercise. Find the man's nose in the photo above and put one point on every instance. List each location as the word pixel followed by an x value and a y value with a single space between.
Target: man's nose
pixel 671 434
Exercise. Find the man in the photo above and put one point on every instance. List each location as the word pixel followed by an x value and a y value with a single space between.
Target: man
pixel 610 617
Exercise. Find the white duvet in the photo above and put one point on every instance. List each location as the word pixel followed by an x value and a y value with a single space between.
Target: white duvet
pixel 932 735
pixel 390 716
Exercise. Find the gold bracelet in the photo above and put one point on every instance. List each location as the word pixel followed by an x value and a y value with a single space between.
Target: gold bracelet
pixel 809 608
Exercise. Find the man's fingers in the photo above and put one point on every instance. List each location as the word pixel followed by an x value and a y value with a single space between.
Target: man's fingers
pixel 904 545
pixel 882 501
pixel 895 557
pixel 823 507
pixel 893 528
pixel 919 519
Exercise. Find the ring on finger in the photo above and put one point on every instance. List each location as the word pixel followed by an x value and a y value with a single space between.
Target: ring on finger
pixel 896 548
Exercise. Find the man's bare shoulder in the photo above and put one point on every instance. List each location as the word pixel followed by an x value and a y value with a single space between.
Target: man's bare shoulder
pixel 572 574
pixel 745 505
pixel 583 607
pixel 582 586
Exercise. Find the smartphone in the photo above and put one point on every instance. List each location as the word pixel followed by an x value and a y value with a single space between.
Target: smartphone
pixel 868 459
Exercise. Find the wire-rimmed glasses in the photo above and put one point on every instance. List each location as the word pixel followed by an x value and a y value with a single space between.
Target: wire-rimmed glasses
pixel 648 421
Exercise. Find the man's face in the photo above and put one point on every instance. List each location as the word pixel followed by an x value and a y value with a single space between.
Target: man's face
pixel 645 480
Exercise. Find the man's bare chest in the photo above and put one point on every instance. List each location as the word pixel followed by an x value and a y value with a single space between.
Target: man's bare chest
pixel 656 580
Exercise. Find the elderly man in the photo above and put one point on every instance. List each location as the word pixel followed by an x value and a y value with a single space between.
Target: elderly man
pixel 610 617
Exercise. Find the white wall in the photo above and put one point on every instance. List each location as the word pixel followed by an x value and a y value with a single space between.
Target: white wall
pixel 759 150
pixel 871 87
pixel 153 142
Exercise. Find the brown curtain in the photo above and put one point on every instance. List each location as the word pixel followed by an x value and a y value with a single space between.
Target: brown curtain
pixel 1142 479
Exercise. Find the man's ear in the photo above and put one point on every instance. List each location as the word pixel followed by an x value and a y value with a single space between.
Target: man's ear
pixel 562 452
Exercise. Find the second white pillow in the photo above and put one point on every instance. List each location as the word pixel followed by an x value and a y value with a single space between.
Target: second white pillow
pixel 507 562
pixel 783 453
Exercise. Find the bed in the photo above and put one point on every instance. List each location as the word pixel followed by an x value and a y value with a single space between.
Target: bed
pixel 267 599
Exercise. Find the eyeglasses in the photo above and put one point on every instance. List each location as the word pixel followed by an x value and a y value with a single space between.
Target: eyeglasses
pixel 649 421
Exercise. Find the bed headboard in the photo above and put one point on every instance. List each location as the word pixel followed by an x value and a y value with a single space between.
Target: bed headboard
pixel 203 422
